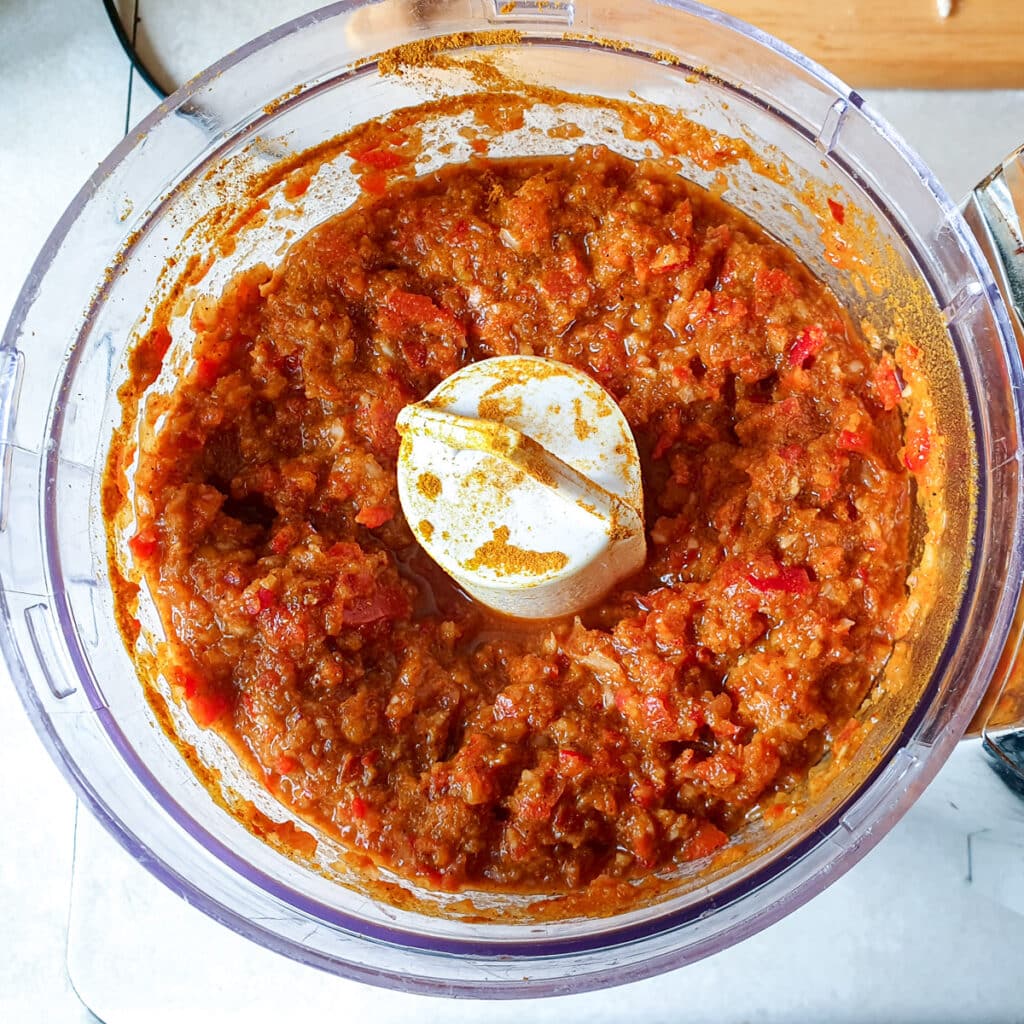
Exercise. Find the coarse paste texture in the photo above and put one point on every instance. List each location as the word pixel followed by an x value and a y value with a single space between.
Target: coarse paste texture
pixel 371 695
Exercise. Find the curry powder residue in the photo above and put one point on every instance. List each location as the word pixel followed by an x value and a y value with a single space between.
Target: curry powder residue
pixel 429 486
pixel 427 528
pixel 581 427
pixel 507 559
pixel 494 406
pixel 426 51
pixel 499 408
pixel 535 459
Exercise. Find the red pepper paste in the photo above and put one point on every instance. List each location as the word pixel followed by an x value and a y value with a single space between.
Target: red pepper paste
pixel 373 696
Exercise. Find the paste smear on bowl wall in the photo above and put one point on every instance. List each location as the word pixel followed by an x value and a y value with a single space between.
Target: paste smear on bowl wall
pixel 372 696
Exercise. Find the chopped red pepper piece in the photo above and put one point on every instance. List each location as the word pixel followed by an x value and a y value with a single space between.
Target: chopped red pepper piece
pixel 837 210
pixel 283 539
pixel 539 799
pixel 266 597
pixel 775 282
pixel 414 353
pixel 144 543
pixel 625 700
pixel 659 718
pixel 671 258
pixel 809 342
pixel 207 372
pixel 375 182
pixel 572 762
pixel 411 308
pixel 888 388
pixel 375 420
pixel 853 441
pixel 187 682
pixel 297 184
pixel 206 707
pixel 789 580
pixel 384 603
pixel 723 727
pixel 918 445
pixel 382 159
pixel 706 840
pixel 345 550
pixel 372 516
pixel 728 307
pixel 643 794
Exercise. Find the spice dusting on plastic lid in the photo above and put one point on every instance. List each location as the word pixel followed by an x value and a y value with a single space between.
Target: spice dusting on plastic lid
pixel 520 478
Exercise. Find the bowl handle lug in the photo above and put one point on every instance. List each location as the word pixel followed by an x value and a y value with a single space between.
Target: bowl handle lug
pixel 555 12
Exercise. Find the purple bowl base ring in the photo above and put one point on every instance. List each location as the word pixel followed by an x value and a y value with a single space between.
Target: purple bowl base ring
pixel 56 632
pixel 896 899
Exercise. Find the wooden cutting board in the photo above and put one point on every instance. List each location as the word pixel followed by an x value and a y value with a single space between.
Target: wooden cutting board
pixel 893 43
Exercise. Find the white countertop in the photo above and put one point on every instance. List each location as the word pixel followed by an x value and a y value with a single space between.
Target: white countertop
pixel 916 933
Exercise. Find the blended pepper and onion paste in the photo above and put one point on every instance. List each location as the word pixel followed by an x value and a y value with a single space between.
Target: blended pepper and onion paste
pixel 380 702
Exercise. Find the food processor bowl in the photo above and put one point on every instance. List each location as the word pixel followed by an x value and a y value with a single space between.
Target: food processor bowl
pixel 92 291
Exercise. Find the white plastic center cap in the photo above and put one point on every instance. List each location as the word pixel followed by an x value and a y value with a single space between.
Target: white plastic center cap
pixel 520 478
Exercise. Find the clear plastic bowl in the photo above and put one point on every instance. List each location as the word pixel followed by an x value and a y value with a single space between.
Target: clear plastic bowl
pixel 62 358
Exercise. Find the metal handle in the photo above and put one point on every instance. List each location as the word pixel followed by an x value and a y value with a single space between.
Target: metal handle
pixel 995 212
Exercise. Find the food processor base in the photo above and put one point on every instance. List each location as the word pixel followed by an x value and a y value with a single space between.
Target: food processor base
pixel 136 951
